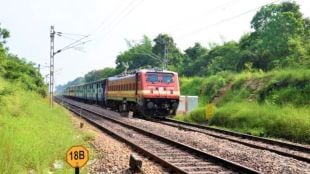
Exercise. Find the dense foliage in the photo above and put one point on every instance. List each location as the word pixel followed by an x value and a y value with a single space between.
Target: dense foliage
pixel 27 123
pixel 280 38
pixel 18 70
pixel 274 103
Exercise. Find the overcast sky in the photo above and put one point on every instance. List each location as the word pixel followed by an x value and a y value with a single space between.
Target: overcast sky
pixel 110 22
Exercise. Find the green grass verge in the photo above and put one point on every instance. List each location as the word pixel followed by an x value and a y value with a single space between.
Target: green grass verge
pixel 269 120
pixel 274 104
pixel 32 134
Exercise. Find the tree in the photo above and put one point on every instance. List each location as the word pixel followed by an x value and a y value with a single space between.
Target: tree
pixel 277 27
pixel 222 58
pixel 174 55
pixel 192 54
pixel 137 56
pixel 4 34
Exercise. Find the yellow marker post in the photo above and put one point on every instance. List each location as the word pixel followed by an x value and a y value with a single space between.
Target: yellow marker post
pixel 76 157
pixel 209 110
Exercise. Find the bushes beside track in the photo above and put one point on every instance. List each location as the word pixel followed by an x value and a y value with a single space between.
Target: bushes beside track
pixel 269 120
pixel 32 134
pixel 273 104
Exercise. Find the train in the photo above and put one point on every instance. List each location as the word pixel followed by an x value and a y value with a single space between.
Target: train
pixel 145 92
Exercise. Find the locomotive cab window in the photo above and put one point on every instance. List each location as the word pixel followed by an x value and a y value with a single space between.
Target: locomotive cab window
pixel 151 77
pixel 167 78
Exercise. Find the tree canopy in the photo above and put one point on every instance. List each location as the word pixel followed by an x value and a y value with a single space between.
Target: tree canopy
pixel 18 69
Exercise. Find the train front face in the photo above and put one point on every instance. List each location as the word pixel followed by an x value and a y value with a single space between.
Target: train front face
pixel 160 93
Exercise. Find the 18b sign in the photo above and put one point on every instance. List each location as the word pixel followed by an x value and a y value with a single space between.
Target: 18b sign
pixel 77 156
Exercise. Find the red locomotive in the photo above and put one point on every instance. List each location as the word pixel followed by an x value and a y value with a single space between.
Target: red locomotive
pixel 148 93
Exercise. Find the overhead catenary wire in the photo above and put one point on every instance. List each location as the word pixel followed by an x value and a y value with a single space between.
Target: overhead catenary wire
pixel 225 20
pixel 72 45
pixel 105 20
pixel 134 6
pixel 71 34
pixel 208 12
pixel 69 38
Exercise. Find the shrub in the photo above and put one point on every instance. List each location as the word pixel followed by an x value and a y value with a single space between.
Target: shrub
pixel 265 119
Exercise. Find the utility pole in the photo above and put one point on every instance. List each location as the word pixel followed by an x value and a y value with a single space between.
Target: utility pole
pixel 52 34
pixel 53 53
pixel 165 56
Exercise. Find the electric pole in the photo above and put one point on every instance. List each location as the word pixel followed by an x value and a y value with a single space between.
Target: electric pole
pixel 52 34
pixel 53 53
pixel 165 56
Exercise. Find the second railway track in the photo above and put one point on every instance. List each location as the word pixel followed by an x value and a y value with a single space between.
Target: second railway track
pixel 299 152
pixel 178 157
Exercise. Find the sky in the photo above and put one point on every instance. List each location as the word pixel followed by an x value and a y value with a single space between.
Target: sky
pixel 109 23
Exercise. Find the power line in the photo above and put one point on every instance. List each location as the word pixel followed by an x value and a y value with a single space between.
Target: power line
pixel 104 21
pixel 73 43
pixel 224 20
pixel 69 38
pixel 74 46
pixel 76 41
pixel 120 17
pixel 71 34
pixel 224 5
pixel 128 12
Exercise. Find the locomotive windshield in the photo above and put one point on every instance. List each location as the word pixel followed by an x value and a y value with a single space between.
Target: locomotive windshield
pixel 167 78
pixel 159 77
pixel 152 78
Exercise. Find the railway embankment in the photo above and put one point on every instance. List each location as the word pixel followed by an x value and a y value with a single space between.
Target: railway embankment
pixel 272 104
pixel 33 137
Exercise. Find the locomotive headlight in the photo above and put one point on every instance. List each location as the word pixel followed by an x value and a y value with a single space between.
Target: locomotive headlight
pixel 150 105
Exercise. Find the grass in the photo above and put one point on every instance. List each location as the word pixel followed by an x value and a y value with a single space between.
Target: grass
pixel 274 104
pixel 269 120
pixel 205 88
pixel 32 134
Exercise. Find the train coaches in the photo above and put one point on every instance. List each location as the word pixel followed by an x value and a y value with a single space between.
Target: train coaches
pixel 151 92
pixel 93 92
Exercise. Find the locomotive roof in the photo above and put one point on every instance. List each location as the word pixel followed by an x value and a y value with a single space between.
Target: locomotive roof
pixel 131 74
pixel 154 70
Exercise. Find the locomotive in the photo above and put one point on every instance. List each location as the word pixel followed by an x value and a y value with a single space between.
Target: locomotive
pixel 147 93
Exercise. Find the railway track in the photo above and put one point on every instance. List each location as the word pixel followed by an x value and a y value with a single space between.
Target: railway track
pixel 296 151
pixel 175 156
